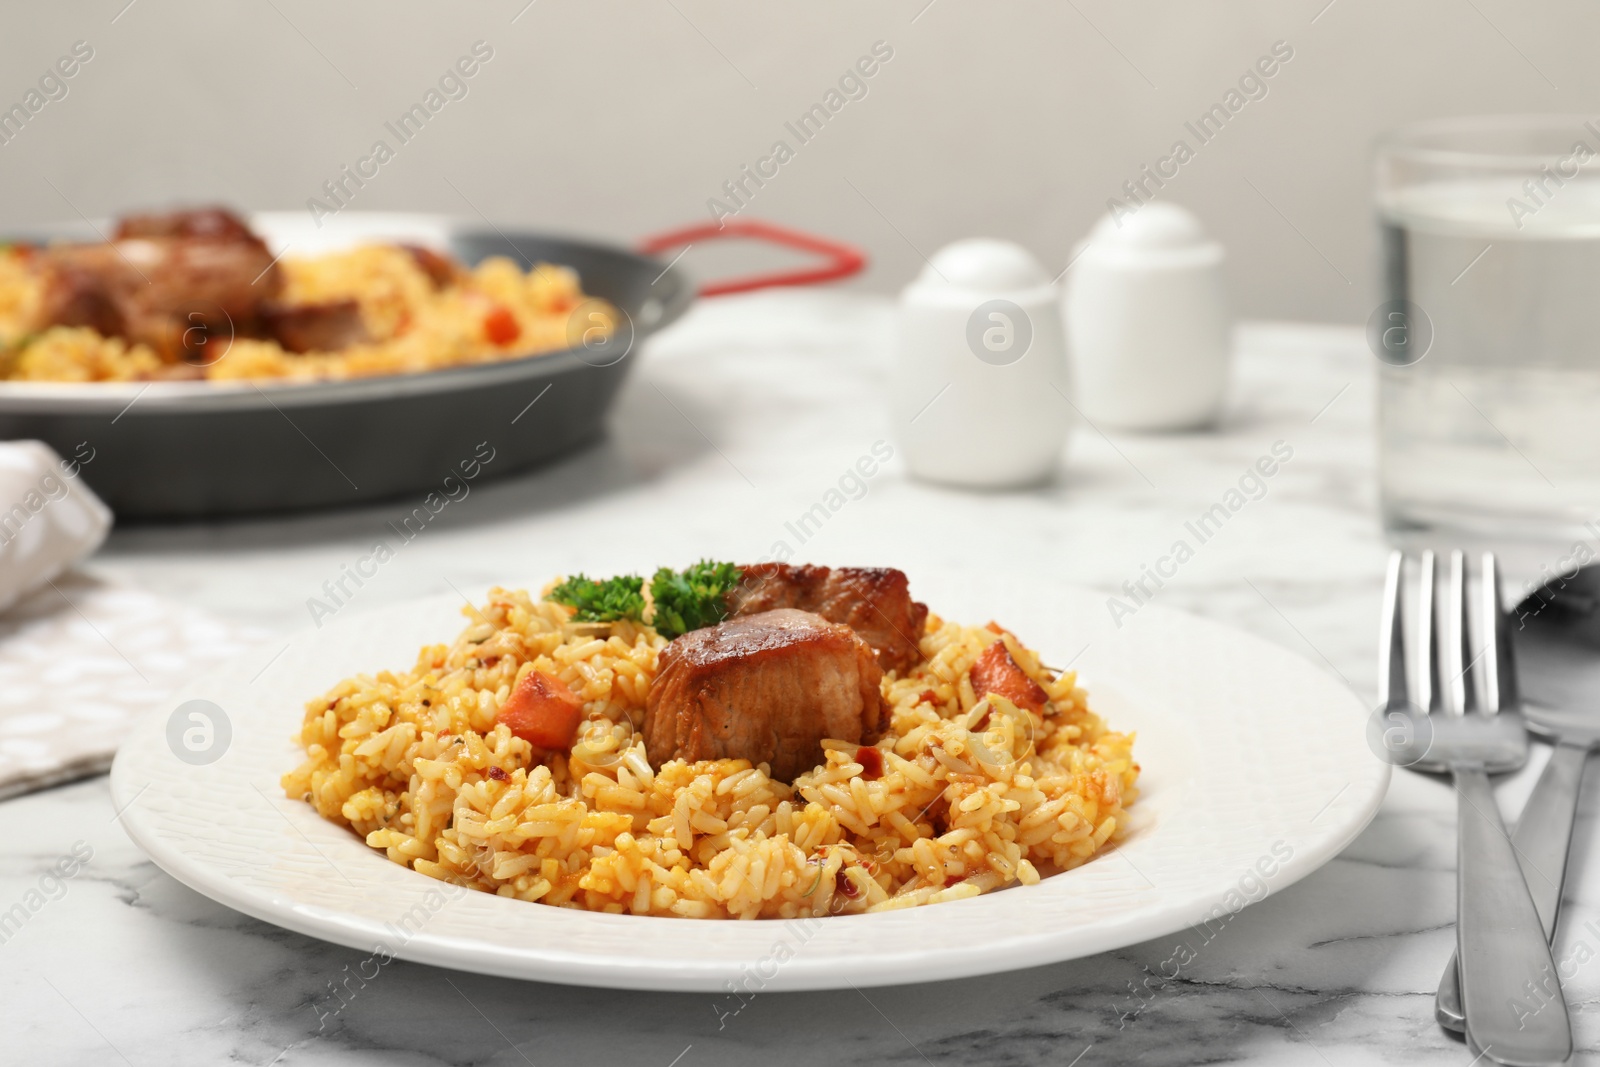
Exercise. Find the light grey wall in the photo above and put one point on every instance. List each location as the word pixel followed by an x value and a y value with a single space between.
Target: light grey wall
pixel 617 119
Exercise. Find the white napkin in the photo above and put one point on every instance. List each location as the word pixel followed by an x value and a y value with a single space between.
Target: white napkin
pixel 80 660
pixel 48 518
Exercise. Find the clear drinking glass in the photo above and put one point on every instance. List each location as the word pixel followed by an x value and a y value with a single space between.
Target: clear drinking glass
pixel 1489 336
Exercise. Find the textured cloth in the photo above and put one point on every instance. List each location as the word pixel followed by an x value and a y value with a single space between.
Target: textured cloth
pixel 48 518
pixel 80 660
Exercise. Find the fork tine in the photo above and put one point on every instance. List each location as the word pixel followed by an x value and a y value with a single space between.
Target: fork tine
pixel 1428 692
pixel 1392 641
pixel 1500 670
pixel 1463 688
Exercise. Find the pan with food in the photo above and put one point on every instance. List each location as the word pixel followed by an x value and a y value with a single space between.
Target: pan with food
pixel 214 365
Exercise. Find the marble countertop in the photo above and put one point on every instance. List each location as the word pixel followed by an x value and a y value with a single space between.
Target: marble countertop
pixel 736 421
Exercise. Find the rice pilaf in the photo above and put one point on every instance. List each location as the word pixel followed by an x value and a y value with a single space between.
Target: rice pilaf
pixel 496 311
pixel 972 794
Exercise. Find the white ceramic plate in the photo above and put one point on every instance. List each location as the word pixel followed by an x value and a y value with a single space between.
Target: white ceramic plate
pixel 1255 773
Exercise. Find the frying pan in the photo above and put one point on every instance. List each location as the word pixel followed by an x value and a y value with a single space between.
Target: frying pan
pixel 188 450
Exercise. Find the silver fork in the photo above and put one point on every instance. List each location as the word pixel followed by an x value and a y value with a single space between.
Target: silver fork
pixel 1442 726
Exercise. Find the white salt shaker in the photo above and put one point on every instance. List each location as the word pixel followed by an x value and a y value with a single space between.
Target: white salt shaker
pixel 980 382
pixel 1148 322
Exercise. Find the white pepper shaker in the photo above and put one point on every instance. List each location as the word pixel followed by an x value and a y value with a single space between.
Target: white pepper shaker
pixel 1147 321
pixel 980 378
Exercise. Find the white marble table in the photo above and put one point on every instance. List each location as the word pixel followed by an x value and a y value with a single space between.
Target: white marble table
pixel 735 422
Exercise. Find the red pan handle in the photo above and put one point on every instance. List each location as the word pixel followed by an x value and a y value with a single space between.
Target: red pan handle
pixel 842 260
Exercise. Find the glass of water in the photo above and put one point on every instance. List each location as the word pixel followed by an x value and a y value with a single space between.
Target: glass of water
pixel 1489 333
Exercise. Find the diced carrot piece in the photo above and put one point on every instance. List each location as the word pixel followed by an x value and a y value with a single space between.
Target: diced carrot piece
pixel 871 760
pixel 500 326
pixel 996 672
pixel 543 712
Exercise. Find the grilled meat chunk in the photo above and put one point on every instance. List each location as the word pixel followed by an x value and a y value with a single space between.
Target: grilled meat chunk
pixel 175 282
pixel 325 327
pixel 441 270
pixel 211 223
pixel 875 602
pixel 82 288
pixel 766 687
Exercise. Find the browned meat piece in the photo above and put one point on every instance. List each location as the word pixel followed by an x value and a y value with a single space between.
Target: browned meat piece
pixel 212 223
pixel 875 602
pixel 997 672
pixel 767 688
pixel 185 282
pixel 440 268
pixel 200 280
pixel 82 289
pixel 316 327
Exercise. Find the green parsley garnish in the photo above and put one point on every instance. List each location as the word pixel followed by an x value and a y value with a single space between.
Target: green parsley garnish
pixel 615 598
pixel 692 598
